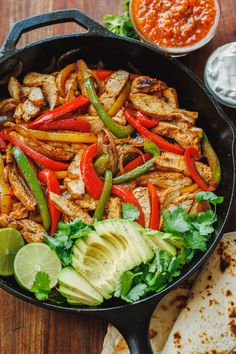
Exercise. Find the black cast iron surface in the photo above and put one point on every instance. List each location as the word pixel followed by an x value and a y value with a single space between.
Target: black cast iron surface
pixel 99 44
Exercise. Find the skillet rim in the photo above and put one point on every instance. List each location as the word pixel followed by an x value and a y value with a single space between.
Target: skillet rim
pixel 4 55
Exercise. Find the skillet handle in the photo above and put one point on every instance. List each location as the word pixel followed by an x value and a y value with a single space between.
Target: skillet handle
pixel 133 323
pixel 50 18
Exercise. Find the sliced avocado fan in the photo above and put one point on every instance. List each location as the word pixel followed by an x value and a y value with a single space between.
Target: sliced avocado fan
pixel 100 258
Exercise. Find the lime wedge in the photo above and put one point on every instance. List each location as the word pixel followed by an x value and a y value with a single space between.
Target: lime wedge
pixel 10 243
pixel 33 258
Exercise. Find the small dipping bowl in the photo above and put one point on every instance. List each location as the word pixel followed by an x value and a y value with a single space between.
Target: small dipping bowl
pixel 179 51
pixel 220 74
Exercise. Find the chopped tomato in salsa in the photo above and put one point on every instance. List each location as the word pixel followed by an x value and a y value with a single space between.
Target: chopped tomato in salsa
pixel 174 23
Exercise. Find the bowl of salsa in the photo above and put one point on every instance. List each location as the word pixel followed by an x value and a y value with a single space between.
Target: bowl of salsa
pixel 176 27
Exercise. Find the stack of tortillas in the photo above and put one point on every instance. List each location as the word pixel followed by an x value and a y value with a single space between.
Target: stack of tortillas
pixel 207 322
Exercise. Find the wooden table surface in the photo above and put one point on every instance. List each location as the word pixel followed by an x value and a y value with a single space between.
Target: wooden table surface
pixel 27 329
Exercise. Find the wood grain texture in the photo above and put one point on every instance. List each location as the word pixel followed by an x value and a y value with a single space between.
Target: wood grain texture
pixel 27 329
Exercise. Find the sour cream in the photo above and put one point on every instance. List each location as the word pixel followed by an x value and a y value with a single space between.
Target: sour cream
pixel 220 74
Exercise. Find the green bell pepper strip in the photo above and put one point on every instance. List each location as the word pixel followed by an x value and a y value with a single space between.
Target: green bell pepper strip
pixel 212 159
pixel 33 184
pixel 149 147
pixel 136 172
pixel 106 190
pixel 101 164
pixel 120 131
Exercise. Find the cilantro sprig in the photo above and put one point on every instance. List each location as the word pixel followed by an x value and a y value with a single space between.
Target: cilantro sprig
pixel 121 24
pixel 66 235
pixel 187 232
pixel 41 286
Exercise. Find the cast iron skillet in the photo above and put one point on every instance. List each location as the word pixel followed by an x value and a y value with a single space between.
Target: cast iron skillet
pixel 132 320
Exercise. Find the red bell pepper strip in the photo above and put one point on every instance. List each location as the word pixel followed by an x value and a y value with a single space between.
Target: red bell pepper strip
pixel 158 140
pixel 190 155
pixel 94 185
pixel 138 161
pixel 102 74
pixel 57 112
pixel 145 121
pixel 3 144
pixel 155 208
pixel 67 124
pixel 127 196
pixel 90 177
pixel 35 156
pixel 48 177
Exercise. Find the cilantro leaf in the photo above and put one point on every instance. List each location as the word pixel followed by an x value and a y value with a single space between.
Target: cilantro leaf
pixel 121 24
pixel 203 222
pixel 210 197
pixel 196 241
pixel 41 286
pixel 174 220
pixel 152 148
pixel 129 211
pixel 63 240
pixel 137 292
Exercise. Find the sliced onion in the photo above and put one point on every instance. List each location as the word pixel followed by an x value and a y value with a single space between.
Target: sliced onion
pixel 125 153
pixel 100 142
pixel 112 152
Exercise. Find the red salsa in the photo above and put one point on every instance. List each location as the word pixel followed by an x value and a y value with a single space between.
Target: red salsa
pixel 174 23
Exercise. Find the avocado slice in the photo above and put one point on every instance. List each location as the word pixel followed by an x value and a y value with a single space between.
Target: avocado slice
pixel 142 247
pixel 71 280
pixel 115 246
pixel 115 228
pixel 157 242
pixel 94 272
pixel 76 299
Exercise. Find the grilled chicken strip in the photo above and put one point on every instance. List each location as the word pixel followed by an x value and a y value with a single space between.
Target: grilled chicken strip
pixel 114 208
pixel 29 110
pixel 113 87
pixel 185 136
pixel 48 84
pixel 146 84
pixel 18 211
pixel 69 208
pixel 173 197
pixel 168 161
pixel 75 185
pixel 55 153
pixel 169 178
pixel 20 188
pixel 31 230
pixel 155 107
pixel 171 97
pixel 87 202
pixel 141 194
pixel 36 96
pixel 83 72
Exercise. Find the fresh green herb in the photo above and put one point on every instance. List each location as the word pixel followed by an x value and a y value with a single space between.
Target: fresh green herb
pixel 124 284
pixel 41 286
pixel 210 197
pixel 174 220
pixel 121 24
pixel 187 232
pixel 152 148
pixel 129 211
pixel 63 240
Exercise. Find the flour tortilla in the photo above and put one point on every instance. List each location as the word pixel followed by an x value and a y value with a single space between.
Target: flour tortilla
pixel 161 323
pixel 207 325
